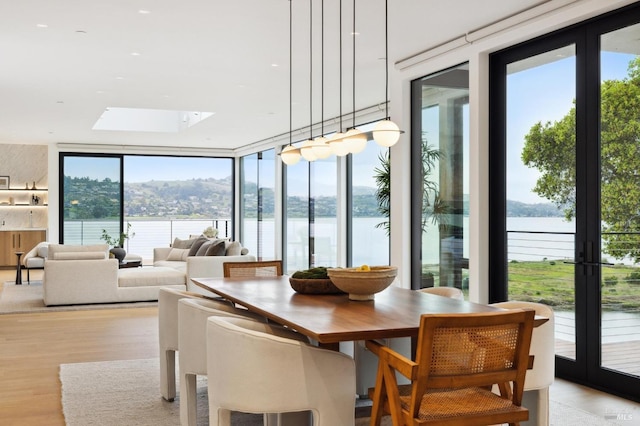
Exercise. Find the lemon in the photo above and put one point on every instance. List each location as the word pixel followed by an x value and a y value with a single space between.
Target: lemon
pixel 364 268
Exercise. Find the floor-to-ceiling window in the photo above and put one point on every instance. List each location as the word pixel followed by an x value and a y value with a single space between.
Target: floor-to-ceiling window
pixel 439 187
pixel 369 218
pixel 257 203
pixel 310 214
pixel 564 201
pixel 161 197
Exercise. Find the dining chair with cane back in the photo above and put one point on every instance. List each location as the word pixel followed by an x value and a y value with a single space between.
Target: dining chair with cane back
pixel 265 268
pixel 459 357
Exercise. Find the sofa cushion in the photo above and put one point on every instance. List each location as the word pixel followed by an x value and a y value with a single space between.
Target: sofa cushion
pixel 56 249
pixel 79 255
pixel 197 244
pixel 155 276
pixel 202 251
pixel 173 264
pixel 216 249
pixel 43 249
pixel 234 248
pixel 35 262
pixel 178 254
pixel 183 244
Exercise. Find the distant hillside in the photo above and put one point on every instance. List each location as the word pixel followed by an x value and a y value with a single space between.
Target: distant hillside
pixel 212 198
pixel 519 209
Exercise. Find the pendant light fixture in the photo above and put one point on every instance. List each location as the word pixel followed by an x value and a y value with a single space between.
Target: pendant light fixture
pixel 290 155
pixel 321 148
pixel 386 132
pixel 355 140
pixel 338 146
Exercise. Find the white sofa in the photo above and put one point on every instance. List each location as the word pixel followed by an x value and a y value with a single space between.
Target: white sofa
pixel 75 274
pixel 196 266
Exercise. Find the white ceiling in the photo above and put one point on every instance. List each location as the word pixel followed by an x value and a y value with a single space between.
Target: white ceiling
pixel 204 55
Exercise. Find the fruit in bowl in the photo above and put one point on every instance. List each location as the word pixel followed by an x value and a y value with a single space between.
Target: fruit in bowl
pixel 364 281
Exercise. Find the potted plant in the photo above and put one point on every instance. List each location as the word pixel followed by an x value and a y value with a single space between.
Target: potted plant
pixel 433 208
pixel 117 243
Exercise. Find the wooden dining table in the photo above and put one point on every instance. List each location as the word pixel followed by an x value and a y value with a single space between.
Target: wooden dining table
pixel 333 318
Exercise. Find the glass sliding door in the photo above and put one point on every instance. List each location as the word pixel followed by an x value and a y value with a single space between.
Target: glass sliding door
pixel 440 185
pixel 257 204
pixel 90 198
pixel 620 200
pixel 540 221
pixel 296 217
pixel 370 174
pixel 564 201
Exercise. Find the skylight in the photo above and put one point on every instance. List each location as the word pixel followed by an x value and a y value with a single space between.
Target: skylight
pixel 148 120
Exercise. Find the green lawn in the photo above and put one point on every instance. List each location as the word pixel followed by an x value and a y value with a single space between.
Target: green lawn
pixel 551 283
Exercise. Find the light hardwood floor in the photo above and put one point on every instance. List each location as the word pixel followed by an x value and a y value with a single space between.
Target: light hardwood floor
pixel 32 347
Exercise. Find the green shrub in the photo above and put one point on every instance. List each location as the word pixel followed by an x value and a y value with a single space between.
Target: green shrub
pixel 610 280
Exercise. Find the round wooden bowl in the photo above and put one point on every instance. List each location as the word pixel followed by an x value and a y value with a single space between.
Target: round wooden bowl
pixel 363 285
pixel 313 286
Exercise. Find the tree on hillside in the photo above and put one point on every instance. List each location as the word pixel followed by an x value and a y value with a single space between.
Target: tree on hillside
pixel 550 148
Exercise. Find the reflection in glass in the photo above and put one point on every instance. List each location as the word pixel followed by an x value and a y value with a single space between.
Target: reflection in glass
pixel 441 189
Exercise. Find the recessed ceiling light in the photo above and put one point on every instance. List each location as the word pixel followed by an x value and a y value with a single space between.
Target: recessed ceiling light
pixel 119 78
pixel 274 65
pixel 136 53
pixel 356 33
pixel 42 26
pixel 144 12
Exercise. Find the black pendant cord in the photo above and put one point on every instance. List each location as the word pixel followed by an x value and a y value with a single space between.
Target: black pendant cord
pixel 353 88
pixel 340 61
pixel 310 69
pixel 386 58
pixel 322 70
pixel 290 72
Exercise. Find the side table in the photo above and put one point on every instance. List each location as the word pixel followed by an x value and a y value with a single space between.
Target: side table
pixel 19 268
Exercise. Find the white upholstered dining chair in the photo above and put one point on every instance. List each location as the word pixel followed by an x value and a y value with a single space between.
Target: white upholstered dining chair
pixel 192 346
pixel 168 337
pixel 264 368
pixel 541 376
pixel 451 292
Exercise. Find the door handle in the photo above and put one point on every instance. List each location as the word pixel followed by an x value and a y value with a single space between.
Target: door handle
pixel 588 263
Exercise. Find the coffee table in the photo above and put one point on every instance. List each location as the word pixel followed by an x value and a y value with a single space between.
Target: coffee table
pixel 130 264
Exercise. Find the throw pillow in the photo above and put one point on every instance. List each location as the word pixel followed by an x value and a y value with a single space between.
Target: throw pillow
pixel 182 244
pixel 216 249
pixel 196 245
pixel 233 249
pixel 178 254
pixel 43 250
pixel 203 248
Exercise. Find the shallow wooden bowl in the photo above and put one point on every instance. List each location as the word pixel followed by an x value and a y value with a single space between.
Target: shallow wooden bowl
pixel 313 286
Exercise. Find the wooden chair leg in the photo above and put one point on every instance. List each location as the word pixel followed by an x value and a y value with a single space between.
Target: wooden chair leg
pixel 379 396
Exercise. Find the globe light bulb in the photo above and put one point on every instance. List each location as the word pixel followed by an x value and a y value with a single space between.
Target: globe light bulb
pixel 355 140
pixel 321 148
pixel 386 133
pixel 290 155
pixel 338 147
pixel 307 151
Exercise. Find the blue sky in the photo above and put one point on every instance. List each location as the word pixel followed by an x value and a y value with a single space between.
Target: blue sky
pixel 144 169
pixel 544 93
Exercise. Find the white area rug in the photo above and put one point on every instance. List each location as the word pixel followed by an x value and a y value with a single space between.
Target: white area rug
pixel 27 298
pixel 128 393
